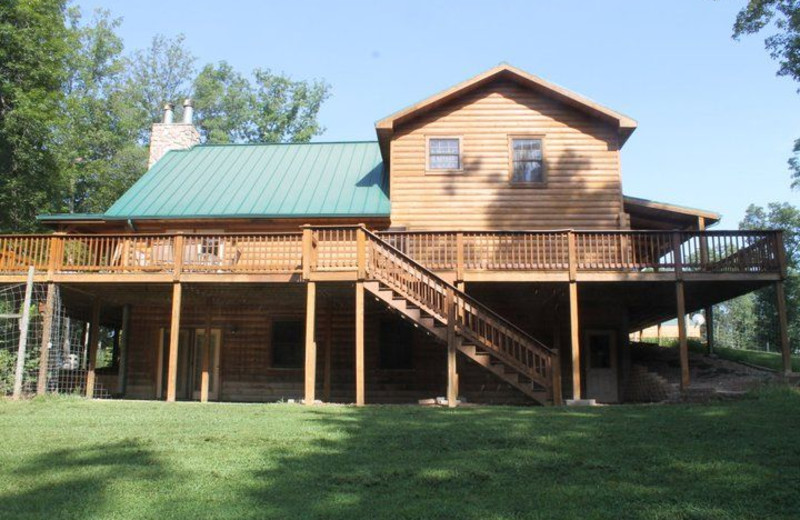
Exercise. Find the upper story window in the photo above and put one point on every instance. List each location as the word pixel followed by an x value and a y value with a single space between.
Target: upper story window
pixel 444 153
pixel 527 161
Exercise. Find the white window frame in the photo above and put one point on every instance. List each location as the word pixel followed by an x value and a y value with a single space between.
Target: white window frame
pixel 444 171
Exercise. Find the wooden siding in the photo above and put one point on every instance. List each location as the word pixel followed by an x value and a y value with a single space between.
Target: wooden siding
pixel 246 354
pixel 581 162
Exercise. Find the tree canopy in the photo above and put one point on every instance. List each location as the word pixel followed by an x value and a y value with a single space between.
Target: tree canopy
pixel 782 19
pixel 76 108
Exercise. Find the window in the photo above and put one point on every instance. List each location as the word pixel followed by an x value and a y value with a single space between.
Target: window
pixel 527 162
pixel 210 246
pixel 600 350
pixel 396 338
pixel 444 153
pixel 287 344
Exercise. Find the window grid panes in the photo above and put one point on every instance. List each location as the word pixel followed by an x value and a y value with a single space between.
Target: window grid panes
pixel 527 157
pixel 444 154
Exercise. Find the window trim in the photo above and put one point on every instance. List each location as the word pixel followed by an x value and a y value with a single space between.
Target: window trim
pixel 527 184
pixel 444 171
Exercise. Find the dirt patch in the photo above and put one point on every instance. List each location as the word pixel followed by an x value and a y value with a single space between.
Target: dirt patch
pixel 709 376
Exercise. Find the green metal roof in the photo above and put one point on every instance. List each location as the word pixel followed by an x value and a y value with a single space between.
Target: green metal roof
pixel 263 180
pixel 70 216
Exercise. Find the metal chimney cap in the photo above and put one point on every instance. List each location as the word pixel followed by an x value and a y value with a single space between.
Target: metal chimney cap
pixel 168 113
pixel 188 102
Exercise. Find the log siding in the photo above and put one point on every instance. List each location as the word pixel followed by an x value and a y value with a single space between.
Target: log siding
pixel 583 188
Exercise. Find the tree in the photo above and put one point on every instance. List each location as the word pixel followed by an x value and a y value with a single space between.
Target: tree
pixel 286 110
pixel 783 45
pixel 224 102
pixel 33 51
pixel 76 109
pixel 751 321
pixel 273 109
pixel 92 133
pixel 160 74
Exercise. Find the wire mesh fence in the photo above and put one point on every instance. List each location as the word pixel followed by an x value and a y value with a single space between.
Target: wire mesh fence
pixel 55 344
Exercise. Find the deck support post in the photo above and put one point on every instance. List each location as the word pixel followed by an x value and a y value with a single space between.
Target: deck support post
pixel 311 344
pixel 452 349
pixel 94 339
pixel 174 335
pixel 205 374
pixel 786 350
pixel 575 340
pixel 124 331
pixel 326 370
pixel 682 343
pixel 44 351
pixel 359 343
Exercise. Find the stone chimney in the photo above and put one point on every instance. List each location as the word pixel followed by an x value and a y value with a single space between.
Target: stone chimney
pixel 169 135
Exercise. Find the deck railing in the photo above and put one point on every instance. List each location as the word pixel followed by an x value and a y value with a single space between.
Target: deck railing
pixel 335 248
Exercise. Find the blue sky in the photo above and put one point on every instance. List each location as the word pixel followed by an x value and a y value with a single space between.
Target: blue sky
pixel 716 125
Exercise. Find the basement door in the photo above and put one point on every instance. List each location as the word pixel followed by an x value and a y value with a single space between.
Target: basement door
pixel 213 363
pixel 601 365
pixel 191 343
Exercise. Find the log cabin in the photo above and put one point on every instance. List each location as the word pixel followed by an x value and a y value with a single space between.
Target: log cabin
pixel 481 248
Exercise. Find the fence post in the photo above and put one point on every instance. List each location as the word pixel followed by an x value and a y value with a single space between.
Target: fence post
pixel 781 253
pixel 573 255
pixel 56 254
pixel 308 250
pixel 452 348
pixel 703 239
pixel 459 256
pixel 44 352
pixel 676 254
pixel 177 248
pixel 361 244
pixel 23 335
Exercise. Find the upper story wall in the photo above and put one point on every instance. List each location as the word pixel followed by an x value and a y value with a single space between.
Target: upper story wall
pixel 581 156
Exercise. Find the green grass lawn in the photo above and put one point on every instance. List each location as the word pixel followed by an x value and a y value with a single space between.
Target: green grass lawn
pixel 70 458
pixel 771 360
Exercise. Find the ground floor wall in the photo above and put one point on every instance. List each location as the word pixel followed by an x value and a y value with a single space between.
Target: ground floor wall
pixel 413 369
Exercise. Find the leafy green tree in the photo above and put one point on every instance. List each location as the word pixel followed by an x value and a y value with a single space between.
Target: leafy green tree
pixel 33 51
pixel 286 110
pixel 783 18
pixel 224 102
pixel 274 108
pixel 160 74
pixel 92 133
pixel 751 320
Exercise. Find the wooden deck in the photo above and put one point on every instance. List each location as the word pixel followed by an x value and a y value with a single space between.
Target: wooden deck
pixel 331 253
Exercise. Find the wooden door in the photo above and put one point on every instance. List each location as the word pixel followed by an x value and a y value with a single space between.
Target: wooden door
pixel 600 353
pixel 184 358
pixel 213 362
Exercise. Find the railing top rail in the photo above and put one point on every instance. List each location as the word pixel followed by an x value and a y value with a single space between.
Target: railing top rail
pixel 461 294
pixel 397 232
pixel 158 235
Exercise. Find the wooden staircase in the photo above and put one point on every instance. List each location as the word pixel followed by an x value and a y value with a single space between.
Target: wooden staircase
pixel 451 315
